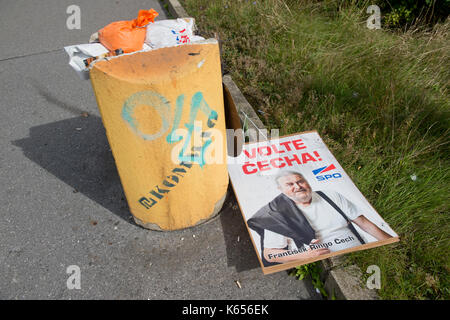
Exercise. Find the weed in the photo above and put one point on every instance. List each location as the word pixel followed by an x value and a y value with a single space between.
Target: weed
pixel 313 271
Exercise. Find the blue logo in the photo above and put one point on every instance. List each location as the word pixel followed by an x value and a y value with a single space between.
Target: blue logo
pixel 328 176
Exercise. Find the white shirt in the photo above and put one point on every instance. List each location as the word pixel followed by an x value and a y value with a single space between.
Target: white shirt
pixel 330 227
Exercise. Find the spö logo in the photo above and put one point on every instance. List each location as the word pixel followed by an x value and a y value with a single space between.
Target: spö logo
pixel 324 177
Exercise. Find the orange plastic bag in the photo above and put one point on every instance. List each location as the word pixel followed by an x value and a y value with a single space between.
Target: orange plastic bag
pixel 127 35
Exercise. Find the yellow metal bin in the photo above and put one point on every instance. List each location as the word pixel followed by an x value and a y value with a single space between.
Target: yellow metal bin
pixel 163 111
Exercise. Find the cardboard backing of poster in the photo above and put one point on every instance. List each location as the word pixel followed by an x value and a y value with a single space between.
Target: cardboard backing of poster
pixel 299 205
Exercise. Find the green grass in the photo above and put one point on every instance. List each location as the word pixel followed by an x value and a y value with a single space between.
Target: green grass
pixel 378 98
pixel 313 271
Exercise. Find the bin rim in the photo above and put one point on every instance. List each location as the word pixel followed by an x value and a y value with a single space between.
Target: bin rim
pixel 206 41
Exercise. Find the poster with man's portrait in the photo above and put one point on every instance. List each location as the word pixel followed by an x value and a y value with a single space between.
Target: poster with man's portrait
pixel 299 205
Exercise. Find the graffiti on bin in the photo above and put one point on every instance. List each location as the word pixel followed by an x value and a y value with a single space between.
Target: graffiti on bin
pixel 157 193
pixel 188 155
pixel 152 99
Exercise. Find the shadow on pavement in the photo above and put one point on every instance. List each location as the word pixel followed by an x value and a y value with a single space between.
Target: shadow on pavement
pixel 77 152
pixel 240 252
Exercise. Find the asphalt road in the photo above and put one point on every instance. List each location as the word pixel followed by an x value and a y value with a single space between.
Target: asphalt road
pixel 62 202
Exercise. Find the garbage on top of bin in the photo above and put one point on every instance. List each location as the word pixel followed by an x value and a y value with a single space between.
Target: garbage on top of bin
pixel 79 53
pixel 168 33
pixel 128 37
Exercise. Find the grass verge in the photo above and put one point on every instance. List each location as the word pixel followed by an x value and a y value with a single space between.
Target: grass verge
pixel 378 98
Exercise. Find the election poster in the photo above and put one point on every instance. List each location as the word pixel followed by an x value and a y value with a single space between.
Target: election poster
pixel 299 205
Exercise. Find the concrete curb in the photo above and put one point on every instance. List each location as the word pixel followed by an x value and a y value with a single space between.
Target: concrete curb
pixel 175 9
pixel 341 280
pixel 344 280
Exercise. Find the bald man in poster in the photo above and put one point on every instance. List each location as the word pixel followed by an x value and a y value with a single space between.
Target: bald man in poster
pixel 300 224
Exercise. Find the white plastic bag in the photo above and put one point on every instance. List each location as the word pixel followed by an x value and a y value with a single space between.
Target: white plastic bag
pixel 78 53
pixel 173 32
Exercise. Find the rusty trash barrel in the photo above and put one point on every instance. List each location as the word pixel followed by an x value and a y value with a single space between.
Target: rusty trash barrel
pixel 163 112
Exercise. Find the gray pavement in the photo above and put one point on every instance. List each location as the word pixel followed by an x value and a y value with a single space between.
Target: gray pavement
pixel 62 199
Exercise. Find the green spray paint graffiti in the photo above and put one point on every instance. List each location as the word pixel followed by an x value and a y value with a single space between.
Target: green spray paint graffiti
pixel 198 103
pixel 154 100
pixel 150 99
pixel 196 154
